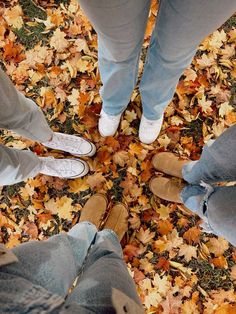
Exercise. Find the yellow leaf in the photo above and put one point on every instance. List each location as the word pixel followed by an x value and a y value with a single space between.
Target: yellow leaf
pixel 58 40
pixel 61 206
pixel 145 236
pixel 13 16
pixel 78 185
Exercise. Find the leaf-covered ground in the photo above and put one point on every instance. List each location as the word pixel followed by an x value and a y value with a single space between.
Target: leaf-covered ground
pixel 49 50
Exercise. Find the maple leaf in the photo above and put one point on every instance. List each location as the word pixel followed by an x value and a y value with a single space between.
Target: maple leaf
pixel 121 158
pixel 217 246
pixel 131 251
pixel 163 211
pixel 61 206
pixel 164 226
pixel 192 235
pixel 190 307
pixel 190 75
pixel 225 109
pixel 31 229
pixel 205 104
pixel 153 298
pixel 58 40
pixel 13 16
pixel 164 140
pixel 145 236
pixel 96 180
pixel 78 185
pixel 162 284
pixel 219 261
pixel 138 275
pixel 163 264
pixel 171 305
pixel 188 251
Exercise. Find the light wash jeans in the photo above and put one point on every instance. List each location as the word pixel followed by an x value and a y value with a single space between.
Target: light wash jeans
pixel 120 24
pixel 216 205
pixel 23 116
pixel 40 281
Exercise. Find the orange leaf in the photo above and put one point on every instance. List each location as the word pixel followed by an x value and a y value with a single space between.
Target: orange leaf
pixel 13 52
pixel 220 262
pixel 104 156
pixel 112 142
pixel 163 264
pixel 130 251
pixel 138 275
pixel 164 226
pixel 44 218
pixel 192 235
pixel 31 229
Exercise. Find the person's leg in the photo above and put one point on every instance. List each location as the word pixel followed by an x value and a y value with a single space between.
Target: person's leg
pixel 180 27
pixel 217 162
pixel 104 271
pixel 216 206
pixel 54 263
pixel 21 114
pixel 17 165
pixel 120 25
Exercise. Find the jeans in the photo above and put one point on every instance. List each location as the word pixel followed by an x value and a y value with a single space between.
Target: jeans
pixel 23 116
pixel 120 24
pixel 40 281
pixel 215 204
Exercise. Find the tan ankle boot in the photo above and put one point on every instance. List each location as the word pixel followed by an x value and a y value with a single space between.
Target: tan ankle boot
pixel 94 210
pixel 118 220
pixel 166 189
pixel 169 163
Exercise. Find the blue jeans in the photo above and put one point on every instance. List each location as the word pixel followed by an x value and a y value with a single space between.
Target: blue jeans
pixel 40 281
pixel 215 204
pixel 120 24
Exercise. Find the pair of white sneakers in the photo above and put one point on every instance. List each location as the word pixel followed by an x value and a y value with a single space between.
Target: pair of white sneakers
pixel 148 129
pixel 67 168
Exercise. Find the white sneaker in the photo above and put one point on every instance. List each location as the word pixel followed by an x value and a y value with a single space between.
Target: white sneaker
pixel 149 129
pixel 63 168
pixel 107 124
pixel 72 144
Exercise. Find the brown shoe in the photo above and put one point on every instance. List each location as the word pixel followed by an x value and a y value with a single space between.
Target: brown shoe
pixel 94 209
pixel 169 163
pixel 117 220
pixel 167 189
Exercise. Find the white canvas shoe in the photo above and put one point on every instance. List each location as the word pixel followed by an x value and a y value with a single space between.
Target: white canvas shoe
pixel 107 124
pixel 149 129
pixel 72 144
pixel 63 168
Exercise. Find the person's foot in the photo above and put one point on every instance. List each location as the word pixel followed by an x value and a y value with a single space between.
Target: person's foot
pixel 117 220
pixel 167 189
pixel 63 168
pixel 107 124
pixel 169 163
pixel 149 129
pixel 72 144
pixel 94 209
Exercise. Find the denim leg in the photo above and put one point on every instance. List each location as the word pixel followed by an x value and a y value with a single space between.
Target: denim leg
pixel 120 25
pixel 17 165
pixel 55 263
pixel 181 25
pixel 21 114
pixel 217 162
pixel 216 206
pixel 104 270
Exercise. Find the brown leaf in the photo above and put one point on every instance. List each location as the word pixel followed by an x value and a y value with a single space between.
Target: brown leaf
pixel 192 235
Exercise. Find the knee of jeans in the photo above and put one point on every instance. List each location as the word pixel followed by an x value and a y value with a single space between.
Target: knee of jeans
pixel 125 53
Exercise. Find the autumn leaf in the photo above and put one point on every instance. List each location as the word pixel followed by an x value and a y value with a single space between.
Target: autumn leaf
pixel 145 236
pixel 164 226
pixel 188 251
pixel 96 180
pixel 192 235
pixel 217 246
pixel 219 261
pixel 58 40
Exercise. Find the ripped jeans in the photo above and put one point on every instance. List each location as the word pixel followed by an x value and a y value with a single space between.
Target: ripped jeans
pixel 215 204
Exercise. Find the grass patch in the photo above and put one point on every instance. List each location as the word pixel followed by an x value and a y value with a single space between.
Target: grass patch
pixel 31 10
